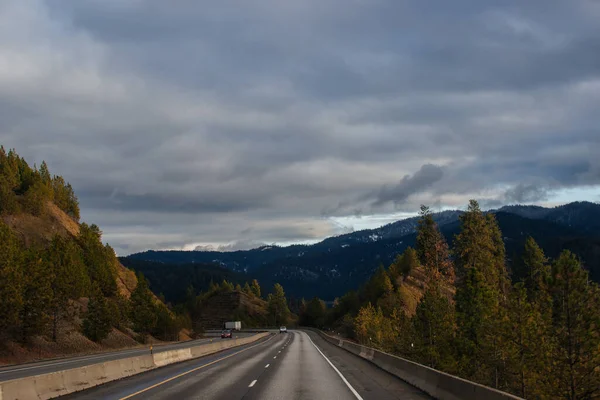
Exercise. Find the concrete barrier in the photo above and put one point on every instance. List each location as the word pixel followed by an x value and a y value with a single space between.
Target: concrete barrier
pixel 54 384
pixel 437 384
pixel 171 356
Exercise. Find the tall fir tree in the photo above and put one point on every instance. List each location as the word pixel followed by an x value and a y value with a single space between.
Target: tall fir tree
pixel 246 289
pixel 97 322
pixel 255 288
pixel 69 279
pixel 99 260
pixel 527 344
pixel 533 269
pixel 434 325
pixel 432 249
pixel 37 294
pixel 11 279
pixel 576 324
pixel 143 310
pixel 277 305
pixel 480 296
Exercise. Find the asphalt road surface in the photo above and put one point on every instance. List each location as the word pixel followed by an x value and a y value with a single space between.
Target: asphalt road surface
pixel 44 367
pixel 297 365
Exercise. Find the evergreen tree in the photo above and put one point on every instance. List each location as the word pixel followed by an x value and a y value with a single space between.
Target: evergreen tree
pixel 69 279
pixel 247 289
pixel 238 288
pixel 36 196
pixel 533 269
pixel 527 344
pixel 576 320
pixel 37 294
pixel 432 248
pixel 8 200
pixel 143 311
pixel 255 288
pixel 226 286
pixel 11 279
pixel 481 295
pixel 120 310
pixel 279 312
pixel 97 322
pixel 434 325
pixel 408 262
pixel 99 260
pixel 166 327
pixel 313 313
pixel 376 286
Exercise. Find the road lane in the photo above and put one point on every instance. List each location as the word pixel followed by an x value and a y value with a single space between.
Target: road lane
pixel 298 365
pixel 44 367
pixel 225 375
pixel 302 373
pixel 370 381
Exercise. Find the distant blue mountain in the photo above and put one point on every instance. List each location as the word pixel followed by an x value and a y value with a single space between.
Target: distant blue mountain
pixel 337 264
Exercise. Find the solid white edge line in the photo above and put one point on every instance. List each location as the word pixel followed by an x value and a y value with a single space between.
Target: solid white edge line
pixel 354 392
pixel 252 383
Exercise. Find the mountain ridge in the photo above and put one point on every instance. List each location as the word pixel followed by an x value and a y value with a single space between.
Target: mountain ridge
pixel 341 263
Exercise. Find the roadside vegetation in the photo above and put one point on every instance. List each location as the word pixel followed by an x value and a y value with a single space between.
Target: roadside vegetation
pixel 533 331
pixel 45 268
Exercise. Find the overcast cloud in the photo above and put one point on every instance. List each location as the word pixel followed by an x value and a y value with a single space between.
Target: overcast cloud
pixel 233 123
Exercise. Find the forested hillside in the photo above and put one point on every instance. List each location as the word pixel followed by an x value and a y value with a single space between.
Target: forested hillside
pixel 57 278
pixel 536 335
pixel 332 267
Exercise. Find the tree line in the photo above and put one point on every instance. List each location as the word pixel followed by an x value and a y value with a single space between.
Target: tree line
pixel 533 331
pixel 275 304
pixel 26 189
pixel 39 285
pixel 41 282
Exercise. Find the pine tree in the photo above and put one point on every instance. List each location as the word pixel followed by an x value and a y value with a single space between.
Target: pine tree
pixel 313 313
pixel 247 289
pixel 256 288
pixel 37 294
pixel 11 279
pixel 432 248
pixel 69 279
pixel 408 262
pixel 238 288
pixel 143 310
pixel 226 286
pixel 576 324
pixel 277 305
pixel 376 286
pixel 534 270
pixel 8 200
pixel 435 325
pixel 166 327
pixel 97 322
pixel 481 295
pixel 525 334
pixel 99 260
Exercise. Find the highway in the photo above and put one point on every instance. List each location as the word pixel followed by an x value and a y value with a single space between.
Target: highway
pixel 43 367
pixel 297 365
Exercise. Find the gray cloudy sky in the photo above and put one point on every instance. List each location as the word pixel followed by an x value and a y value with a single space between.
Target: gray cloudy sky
pixel 187 122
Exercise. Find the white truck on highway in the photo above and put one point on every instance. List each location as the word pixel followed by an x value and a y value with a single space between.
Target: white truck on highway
pixel 234 325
